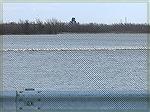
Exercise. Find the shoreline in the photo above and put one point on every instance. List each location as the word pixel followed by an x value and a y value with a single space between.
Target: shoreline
pixel 75 33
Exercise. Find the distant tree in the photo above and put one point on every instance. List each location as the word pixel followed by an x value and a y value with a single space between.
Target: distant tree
pixel 26 27
pixel 53 26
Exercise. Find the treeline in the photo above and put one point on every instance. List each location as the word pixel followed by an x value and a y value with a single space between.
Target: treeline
pixel 54 27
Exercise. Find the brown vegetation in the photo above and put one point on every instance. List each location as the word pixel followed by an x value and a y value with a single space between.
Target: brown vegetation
pixel 54 27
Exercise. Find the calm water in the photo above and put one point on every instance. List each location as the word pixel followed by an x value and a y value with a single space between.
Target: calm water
pixel 74 69
pixel 77 62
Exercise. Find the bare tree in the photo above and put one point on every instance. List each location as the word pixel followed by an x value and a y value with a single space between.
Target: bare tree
pixel 53 26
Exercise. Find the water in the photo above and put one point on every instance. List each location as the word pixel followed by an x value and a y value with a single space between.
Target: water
pixel 72 41
pixel 114 63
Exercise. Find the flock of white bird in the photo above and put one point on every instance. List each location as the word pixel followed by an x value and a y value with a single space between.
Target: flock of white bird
pixel 80 49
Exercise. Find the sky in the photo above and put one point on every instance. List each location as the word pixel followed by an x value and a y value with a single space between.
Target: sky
pixel 107 13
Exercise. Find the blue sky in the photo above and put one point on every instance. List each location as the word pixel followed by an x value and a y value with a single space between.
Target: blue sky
pixel 83 12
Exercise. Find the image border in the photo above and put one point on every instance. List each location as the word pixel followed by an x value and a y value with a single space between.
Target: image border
pixel 81 1
pixel 1 57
